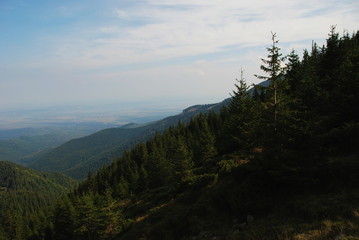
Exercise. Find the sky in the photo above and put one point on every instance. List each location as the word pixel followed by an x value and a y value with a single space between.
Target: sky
pixel 183 52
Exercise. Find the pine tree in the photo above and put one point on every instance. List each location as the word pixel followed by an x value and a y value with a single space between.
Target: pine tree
pixel 275 97
pixel 273 67
pixel 130 171
pixel 88 225
pixel 111 220
pixel 206 149
pixel 121 189
pixel 241 126
pixel 64 220
pixel 158 168
pixel 182 159
pixel 140 154
pixel 293 71
pixel 143 179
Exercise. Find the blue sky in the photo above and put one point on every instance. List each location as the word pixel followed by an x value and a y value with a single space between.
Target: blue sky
pixel 182 51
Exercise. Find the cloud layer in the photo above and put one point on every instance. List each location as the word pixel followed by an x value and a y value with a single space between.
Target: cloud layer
pixel 110 51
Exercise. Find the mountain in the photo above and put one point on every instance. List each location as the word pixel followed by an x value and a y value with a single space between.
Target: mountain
pixel 25 196
pixel 77 157
pixel 19 145
pixel 15 150
pixel 16 178
pixel 70 129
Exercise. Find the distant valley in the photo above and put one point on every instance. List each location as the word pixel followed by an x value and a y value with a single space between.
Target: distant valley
pixel 28 134
pixel 76 148
pixel 77 157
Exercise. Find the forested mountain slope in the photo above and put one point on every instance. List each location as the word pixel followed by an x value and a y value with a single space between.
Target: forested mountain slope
pixel 17 149
pixel 21 145
pixel 281 163
pixel 25 195
pixel 79 156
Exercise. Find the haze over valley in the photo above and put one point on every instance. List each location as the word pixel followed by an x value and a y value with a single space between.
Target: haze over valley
pixel 109 114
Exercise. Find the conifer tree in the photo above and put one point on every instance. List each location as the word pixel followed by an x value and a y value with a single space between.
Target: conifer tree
pixel 140 154
pixel 130 171
pixel 293 71
pixel 241 125
pixel 64 220
pixel 159 168
pixel 121 190
pixel 207 149
pixel 273 67
pixel 143 179
pixel 88 218
pixel 275 98
pixel 111 220
pixel 182 158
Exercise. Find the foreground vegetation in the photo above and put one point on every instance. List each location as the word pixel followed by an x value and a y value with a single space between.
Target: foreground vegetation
pixel 280 162
pixel 26 197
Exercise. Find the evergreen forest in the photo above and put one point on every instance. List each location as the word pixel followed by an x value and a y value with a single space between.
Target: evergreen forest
pixel 26 198
pixel 280 161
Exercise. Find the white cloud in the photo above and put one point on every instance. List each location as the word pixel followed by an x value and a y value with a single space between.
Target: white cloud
pixel 201 27
pixel 173 47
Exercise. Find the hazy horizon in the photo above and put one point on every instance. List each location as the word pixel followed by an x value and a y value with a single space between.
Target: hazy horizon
pixel 106 113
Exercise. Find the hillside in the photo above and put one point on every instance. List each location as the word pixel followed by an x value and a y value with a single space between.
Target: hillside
pixel 278 164
pixel 79 156
pixel 15 150
pixel 20 145
pixel 16 178
pixel 25 195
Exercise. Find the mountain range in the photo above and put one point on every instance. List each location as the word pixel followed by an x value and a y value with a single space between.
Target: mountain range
pixel 77 157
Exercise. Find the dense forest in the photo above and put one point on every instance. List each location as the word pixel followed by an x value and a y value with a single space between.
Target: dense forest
pixel 279 162
pixel 26 197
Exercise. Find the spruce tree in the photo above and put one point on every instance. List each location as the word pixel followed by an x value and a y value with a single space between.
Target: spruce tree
pixel 241 125
pixel 275 98
pixel 111 220
pixel 182 159
pixel 207 149
pixel 88 225
pixel 64 220
pixel 159 168
pixel 273 67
